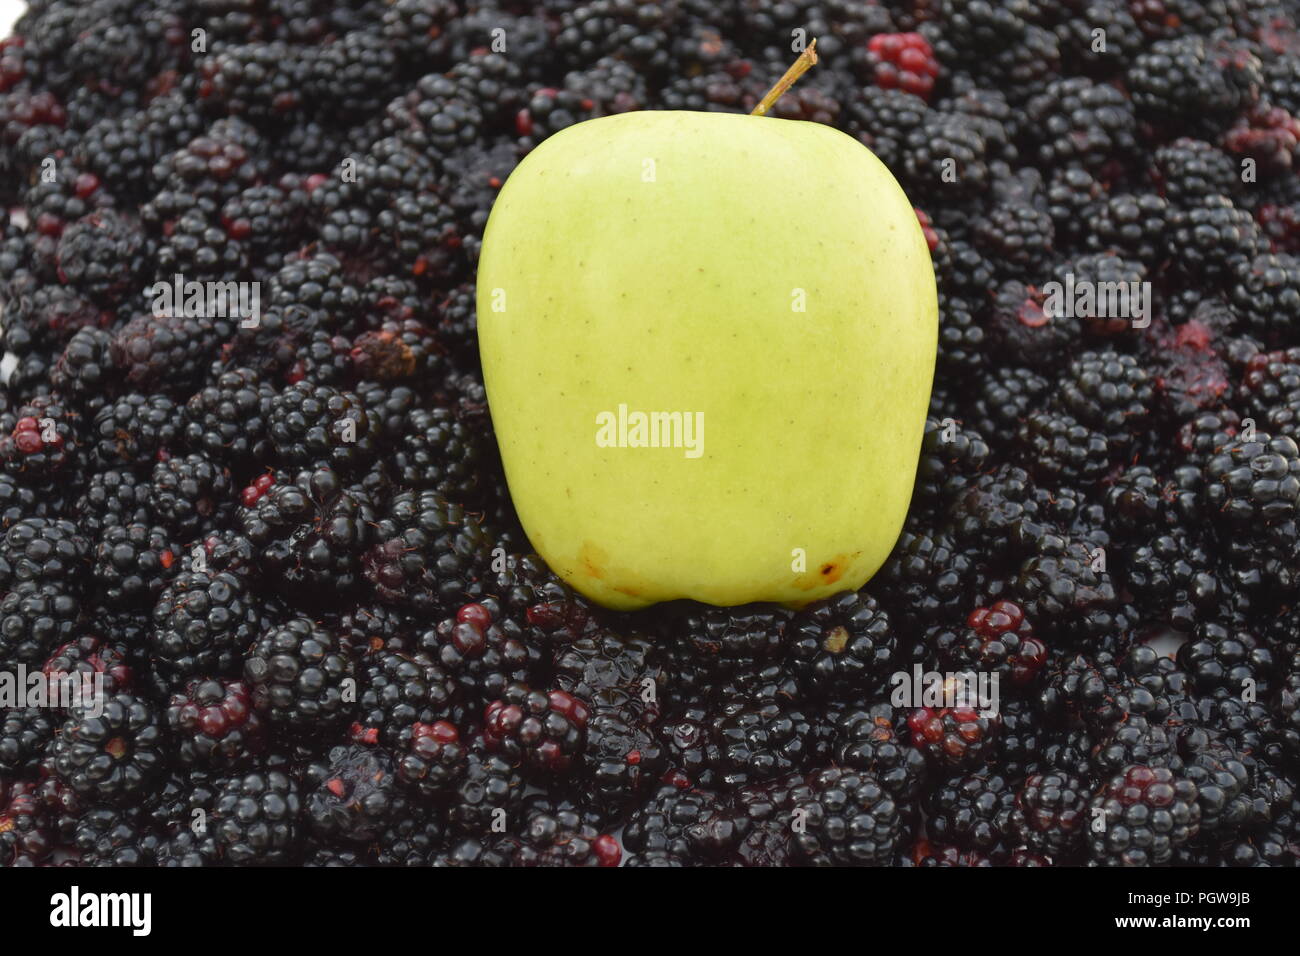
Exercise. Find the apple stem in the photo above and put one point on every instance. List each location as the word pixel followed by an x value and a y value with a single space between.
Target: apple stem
pixel 797 69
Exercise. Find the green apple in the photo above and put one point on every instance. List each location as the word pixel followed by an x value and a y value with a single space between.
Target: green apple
pixel 708 342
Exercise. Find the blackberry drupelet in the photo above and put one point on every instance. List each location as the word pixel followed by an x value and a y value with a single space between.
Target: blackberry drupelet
pixel 297 672
pixel 112 751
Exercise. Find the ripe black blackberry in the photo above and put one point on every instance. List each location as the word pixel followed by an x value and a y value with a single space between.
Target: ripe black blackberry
pixel 1135 739
pixel 297 672
pixel 113 496
pixel 357 74
pixel 1250 484
pixel 926 577
pixel 166 352
pixel 1051 814
pixel 398 691
pixel 111 752
pixel 1267 296
pixel 1174 571
pixel 430 555
pixel 681 827
pixel 190 494
pixel 1223 780
pixel 25 733
pixel 1227 657
pixel 1189 170
pixel 1060 448
pixel 112 836
pixel 426 237
pixel 133 563
pixel 962 346
pixel 1065 595
pixel 721 642
pixel 85 370
pixel 437 115
pixel 607 87
pixel 849 819
pixel 997 640
pixel 951 457
pixel 213 724
pixel 639 33
pixel 226 419
pixel 842 642
pixel 434 760
pixel 1193 78
pixel 561 835
pixel 44 550
pixel 1078 121
pixel 527 593
pixel 546 731
pixel 1148 813
pixel 1108 391
pixel 352 795
pixel 1005 396
pixel 199 247
pixel 974 813
pixel 202 623
pixel 874 741
pixel 1133 224
pixel 102 255
pixel 933 147
pixel 257 818
pixel 133 429
pixel 311 425
pixel 1074 200
pixel 1018 237
pixel 93 658
pixel 310 529
pixel 490 784
pixel 1214 240
pixel 1025 330
pixel 312 289
pixel 210 169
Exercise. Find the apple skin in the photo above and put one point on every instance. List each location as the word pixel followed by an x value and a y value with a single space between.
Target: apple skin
pixel 652 259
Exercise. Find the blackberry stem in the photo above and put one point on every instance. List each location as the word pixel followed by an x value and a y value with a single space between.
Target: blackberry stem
pixel 797 69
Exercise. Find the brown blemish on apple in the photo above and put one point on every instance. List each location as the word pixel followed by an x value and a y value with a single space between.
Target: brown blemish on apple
pixel 590 558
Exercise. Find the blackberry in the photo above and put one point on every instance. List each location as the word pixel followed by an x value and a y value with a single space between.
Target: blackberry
pixel 257 819
pixel 110 836
pixel 436 115
pixel 352 796
pixel 210 169
pixel 399 691
pixel 429 555
pixel 1219 656
pixel 311 290
pixel 311 425
pixel 1213 240
pixel 926 577
pixel 297 672
pixel 43 440
pixel 601 661
pixel 491 784
pixel 974 813
pixel 558 835
pixel 873 741
pixel 721 642
pixel 133 430
pixel 482 657
pixel 166 352
pixel 997 639
pixel 310 530
pixel 1051 814
pixel 227 419
pixel 397 350
pixel 1018 236
pixel 950 458
pixel 1066 595
pixel 1249 484
pixel 111 752
pixel 1078 121
pixel 962 347
pixel 547 731
pixel 1192 78
pixel 624 757
pixel 842 642
pixel 1189 170
pixel 607 87
pixel 1074 201
pixel 44 550
pixel 1221 778
pixel 355 74
pixel 102 255
pixel 425 235
pixel 1110 392
pixel 133 563
pixel 415 840
pixel 113 496
pixel 1025 330
pixel 1174 572
pixel 678 827
pixel 956 737
pixel 202 622
pixel 1061 448
pixel 27 834
pixel 435 760
pixel 1006 395
pixel 189 494
pixel 213 724
pixel 939 141
pixel 199 247
pixel 1267 296
pixel 849 819
pixel 1135 740
pixel 25 733
pixel 92 658
pixel 1148 812
pixel 35 618
pixel 1132 224
pixel 85 370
